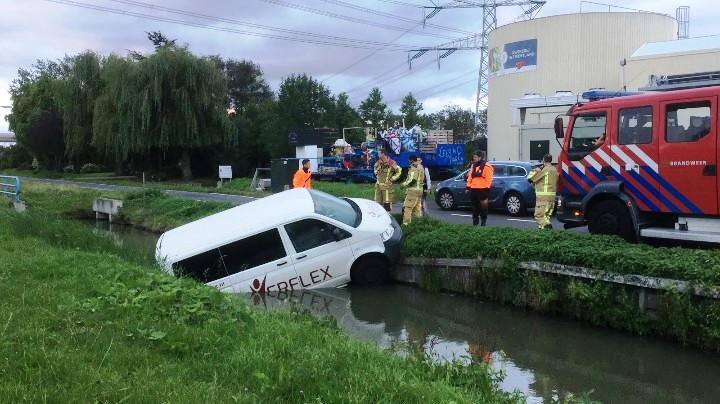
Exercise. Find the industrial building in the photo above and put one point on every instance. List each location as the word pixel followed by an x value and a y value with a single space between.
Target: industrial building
pixel 539 67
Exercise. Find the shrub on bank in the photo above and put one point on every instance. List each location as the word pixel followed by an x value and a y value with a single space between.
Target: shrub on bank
pixel 687 318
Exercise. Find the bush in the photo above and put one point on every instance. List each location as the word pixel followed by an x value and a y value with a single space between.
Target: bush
pixel 69 169
pixel 88 168
pixel 13 156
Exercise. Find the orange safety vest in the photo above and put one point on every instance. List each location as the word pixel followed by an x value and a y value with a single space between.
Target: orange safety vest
pixel 301 179
pixel 482 178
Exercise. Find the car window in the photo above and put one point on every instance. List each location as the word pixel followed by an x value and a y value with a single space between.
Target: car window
pixel 499 170
pixel 309 233
pixel 516 171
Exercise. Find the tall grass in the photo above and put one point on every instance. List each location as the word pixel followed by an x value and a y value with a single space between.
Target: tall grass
pixel 79 324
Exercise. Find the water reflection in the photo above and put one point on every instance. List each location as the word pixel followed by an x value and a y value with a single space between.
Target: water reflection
pixel 543 357
pixel 128 237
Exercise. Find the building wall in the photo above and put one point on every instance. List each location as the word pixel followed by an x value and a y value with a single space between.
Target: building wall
pixel 639 69
pixel 575 52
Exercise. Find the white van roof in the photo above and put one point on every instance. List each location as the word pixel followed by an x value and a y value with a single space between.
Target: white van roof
pixel 233 224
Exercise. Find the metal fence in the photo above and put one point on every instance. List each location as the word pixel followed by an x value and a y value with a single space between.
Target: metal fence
pixel 10 186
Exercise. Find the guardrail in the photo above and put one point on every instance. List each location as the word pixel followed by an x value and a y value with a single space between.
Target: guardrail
pixel 10 186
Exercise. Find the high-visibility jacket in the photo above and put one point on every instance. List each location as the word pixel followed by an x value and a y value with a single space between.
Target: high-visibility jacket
pixel 386 173
pixel 416 177
pixel 301 179
pixel 545 180
pixel 480 175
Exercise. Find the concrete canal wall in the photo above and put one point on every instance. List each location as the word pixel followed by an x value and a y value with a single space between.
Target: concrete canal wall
pixel 684 311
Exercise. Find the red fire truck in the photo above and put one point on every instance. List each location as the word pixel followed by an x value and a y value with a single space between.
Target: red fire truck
pixel 642 164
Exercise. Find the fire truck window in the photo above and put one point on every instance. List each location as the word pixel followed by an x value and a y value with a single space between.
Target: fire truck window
pixel 635 125
pixel 687 122
pixel 585 130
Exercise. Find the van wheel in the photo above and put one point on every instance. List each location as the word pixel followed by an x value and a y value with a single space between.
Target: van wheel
pixel 611 217
pixel 369 271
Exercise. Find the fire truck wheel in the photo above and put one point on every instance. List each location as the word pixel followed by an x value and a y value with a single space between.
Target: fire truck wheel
pixel 369 271
pixel 611 217
pixel 515 204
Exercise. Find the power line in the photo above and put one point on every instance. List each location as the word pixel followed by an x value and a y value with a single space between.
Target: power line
pixel 417 93
pixel 327 40
pixel 392 16
pixel 346 18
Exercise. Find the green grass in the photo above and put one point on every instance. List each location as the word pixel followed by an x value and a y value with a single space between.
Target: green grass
pixel 79 322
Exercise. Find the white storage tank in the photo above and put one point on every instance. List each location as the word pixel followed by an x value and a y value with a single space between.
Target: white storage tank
pixel 558 56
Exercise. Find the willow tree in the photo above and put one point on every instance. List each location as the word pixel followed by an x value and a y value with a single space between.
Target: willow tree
pixel 76 100
pixel 171 99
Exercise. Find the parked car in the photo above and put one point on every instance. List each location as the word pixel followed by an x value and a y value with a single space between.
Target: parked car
pixel 510 189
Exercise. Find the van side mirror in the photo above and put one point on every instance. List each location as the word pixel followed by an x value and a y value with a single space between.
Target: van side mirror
pixel 559 130
pixel 339 234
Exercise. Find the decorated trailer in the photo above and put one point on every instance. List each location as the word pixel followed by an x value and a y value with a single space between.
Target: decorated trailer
pixel 355 164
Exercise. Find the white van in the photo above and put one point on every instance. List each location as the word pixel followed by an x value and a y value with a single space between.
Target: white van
pixel 300 238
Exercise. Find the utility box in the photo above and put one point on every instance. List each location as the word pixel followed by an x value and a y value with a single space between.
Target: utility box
pixel 281 173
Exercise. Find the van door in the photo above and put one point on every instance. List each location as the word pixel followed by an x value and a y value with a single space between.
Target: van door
pixel 319 260
pixel 257 263
pixel 688 156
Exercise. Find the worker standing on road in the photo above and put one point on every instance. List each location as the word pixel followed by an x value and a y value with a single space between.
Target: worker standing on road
pixel 413 195
pixel 426 187
pixel 544 179
pixel 479 180
pixel 301 179
pixel 386 171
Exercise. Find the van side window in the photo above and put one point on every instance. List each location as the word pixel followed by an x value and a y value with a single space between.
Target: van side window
pixel 234 257
pixel 309 233
pixel 253 251
pixel 635 125
pixel 687 122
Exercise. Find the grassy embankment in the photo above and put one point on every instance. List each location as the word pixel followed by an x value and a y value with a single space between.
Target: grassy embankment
pixel 237 186
pixel 82 319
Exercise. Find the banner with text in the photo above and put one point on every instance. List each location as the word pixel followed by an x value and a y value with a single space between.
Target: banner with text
pixel 514 57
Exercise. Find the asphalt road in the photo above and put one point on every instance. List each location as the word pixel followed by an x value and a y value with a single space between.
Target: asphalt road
pixel 462 216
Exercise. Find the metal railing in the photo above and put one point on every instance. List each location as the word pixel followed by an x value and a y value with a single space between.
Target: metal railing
pixel 10 186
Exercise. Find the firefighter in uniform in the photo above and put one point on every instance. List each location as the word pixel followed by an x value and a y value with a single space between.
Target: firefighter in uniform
pixel 413 195
pixel 544 179
pixel 386 171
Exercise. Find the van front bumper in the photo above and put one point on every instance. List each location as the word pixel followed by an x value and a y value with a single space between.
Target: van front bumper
pixel 394 244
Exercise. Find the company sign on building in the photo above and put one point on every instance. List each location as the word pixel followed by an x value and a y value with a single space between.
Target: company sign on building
pixel 514 57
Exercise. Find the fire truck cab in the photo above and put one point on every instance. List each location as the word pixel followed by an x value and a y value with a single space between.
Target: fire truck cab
pixel 642 164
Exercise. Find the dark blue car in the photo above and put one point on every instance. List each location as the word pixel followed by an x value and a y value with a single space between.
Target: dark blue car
pixel 510 189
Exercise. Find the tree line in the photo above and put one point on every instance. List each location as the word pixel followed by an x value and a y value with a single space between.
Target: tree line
pixel 173 113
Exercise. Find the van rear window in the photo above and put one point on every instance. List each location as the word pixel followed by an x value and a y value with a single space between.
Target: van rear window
pixel 234 257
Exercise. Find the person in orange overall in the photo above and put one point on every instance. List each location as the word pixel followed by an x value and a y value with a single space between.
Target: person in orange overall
pixel 301 179
pixel 478 184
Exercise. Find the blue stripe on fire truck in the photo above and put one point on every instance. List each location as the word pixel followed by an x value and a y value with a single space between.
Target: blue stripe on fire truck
pixel 679 196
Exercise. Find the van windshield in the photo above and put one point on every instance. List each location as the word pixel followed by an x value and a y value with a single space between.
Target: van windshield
pixel 335 208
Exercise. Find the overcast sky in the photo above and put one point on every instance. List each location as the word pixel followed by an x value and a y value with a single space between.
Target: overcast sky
pixel 349 45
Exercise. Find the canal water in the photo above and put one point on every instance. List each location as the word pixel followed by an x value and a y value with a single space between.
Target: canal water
pixel 542 357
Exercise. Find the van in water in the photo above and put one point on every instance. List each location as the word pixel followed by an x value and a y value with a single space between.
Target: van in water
pixel 299 238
